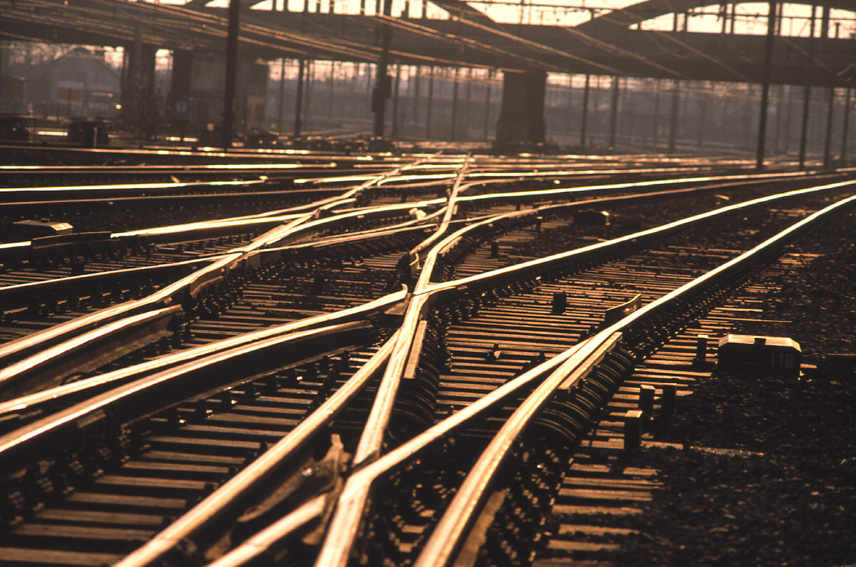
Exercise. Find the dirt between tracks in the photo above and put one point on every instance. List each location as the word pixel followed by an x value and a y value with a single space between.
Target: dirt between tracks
pixel 762 470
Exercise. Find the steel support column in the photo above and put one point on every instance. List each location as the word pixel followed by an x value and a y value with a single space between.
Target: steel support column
pixel 807 95
pixel 403 106
pixel 416 92
pixel 777 140
pixel 308 83
pixel 765 85
pixel 135 71
pixel 827 145
pixel 733 17
pixel 468 92
pixel 369 79
pixel 521 118
pixel 845 130
pixel 804 131
pixel 430 104
pixel 298 99
pixel 453 135
pixel 382 86
pixel 487 104
pixel 281 120
pixel 789 105
pixel 138 103
pixel 827 142
pixel 231 72
pixel 673 121
pixel 180 89
pixel 394 133
pixel 331 88
pixel 613 113
pixel 655 130
pixel 584 120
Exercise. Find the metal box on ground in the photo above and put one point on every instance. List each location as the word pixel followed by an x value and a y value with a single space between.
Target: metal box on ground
pixel 759 354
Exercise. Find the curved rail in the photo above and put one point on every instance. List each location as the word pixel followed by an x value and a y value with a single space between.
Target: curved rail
pixel 451 528
pixel 47 433
pixel 345 523
pixel 232 492
pixel 372 437
pixel 39 401
pixel 66 333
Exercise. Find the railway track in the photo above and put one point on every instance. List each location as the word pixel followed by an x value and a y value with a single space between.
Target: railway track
pixel 108 206
pixel 397 379
pixel 182 248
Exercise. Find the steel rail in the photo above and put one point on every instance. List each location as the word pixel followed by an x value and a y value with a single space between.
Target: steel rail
pixel 197 229
pixel 31 341
pixel 372 436
pixel 207 152
pixel 488 220
pixel 45 433
pixel 263 541
pixel 415 225
pixel 449 209
pixel 504 175
pixel 352 501
pixel 426 273
pixel 191 283
pixel 607 169
pixel 285 214
pixel 635 184
pixel 503 170
pixel 261 218
pixel 222 263
pixel 371 439
pixel 294 214
pixel 44 288
pixel 345 523
pixel 562 191
pixel 41 367
pixel 359 212
pixel 333 179
pixel 104 316
pixel 24 169
pixel 437 177
pixel 34 402
pixel 130 186
pixel 629 238
pixel 347 517
pixel 451 528
pixel 228 496
pixel 16 207
pixel 177 229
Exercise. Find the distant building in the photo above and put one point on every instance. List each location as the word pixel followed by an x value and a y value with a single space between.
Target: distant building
pixel 79 83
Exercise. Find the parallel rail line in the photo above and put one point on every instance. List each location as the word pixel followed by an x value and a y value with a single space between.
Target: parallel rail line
pixel 379 330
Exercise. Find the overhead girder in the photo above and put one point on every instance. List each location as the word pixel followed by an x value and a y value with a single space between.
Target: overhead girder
pixel 649 9
pixel 461 9
pixel 612 50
